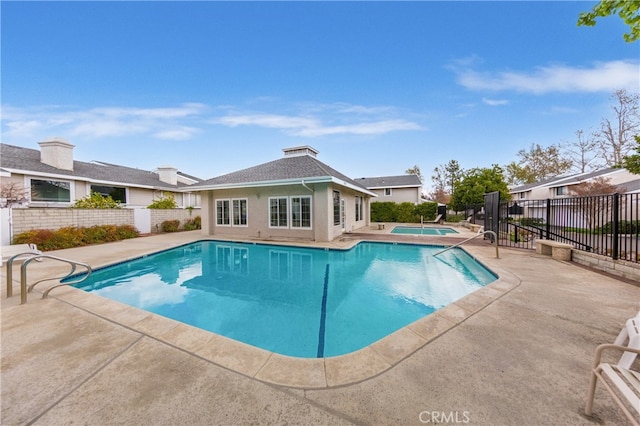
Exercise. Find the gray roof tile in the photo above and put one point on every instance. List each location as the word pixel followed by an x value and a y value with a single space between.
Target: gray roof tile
pixel 287 168
pixel 389 181
pixel 20 158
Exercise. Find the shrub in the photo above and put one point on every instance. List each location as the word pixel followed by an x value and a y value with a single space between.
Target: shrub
pixel 406 213
pixel 166 202
pixel 427 210
pixel 455 218
pixel 383 211
pixel 532 221
pixel 170 225
pixel 70 237
pixel 97 201
pixel 624 227
pixel 388 211
pixel 192 224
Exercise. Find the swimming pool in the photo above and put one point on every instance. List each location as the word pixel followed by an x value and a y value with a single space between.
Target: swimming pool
pixel 302 302
pixel 427 230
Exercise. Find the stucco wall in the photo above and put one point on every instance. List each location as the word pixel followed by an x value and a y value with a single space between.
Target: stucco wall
pixel 399 195
pixel 322 228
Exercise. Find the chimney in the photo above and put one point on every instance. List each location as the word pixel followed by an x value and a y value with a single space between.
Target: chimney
pixel 300 150
pixel 168 175
pixel 57 152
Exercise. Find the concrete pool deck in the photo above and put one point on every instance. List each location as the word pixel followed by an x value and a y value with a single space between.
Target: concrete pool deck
pixel 516 352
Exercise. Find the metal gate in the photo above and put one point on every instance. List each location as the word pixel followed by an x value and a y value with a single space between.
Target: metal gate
pixel 492 213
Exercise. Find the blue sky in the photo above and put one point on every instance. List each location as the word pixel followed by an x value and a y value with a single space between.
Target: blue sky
pixel 376 87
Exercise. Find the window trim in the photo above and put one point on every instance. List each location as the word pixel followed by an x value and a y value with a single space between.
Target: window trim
pixel 126 191
pixel 388 192
pixel 228 216
pixel 359 208
pixel 278 226
pixel 301 197
pixel 45 202
pixel 246 216
pixel 231 212
pixel 337 216
pixel 289 212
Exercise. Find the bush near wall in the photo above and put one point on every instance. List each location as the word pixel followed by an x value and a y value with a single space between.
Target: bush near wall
pixel 388 211
pixel 170 225
pixel 69 237
pixel 193 224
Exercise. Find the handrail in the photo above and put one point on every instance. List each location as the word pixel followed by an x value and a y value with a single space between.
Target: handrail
pixel 481 233
pixel 10 268
pixel 23 275
pixel 540 231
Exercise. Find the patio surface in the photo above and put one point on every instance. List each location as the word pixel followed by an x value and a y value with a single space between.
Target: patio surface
pixel 517 352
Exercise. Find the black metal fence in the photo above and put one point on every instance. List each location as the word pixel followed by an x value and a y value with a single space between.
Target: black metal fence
pixel 607 225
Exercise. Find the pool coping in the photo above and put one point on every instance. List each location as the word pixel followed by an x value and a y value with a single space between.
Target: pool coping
pixel 282 370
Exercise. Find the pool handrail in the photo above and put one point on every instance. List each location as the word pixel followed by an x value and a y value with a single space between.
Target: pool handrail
pixel 23 275
pixel 481 233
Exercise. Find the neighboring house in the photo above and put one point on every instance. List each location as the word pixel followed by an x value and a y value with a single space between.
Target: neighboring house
pixel 294 197
pixel 399 189
pixel 561 186
pixel 52 178
pixel 529 199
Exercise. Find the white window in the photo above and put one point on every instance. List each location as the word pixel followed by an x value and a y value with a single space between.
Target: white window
pixel 233 212
pixel 387 192
pixel 290 212
pixel 240 212
pixel 222 213
pixel 301 212
pixel 561 190
pixel 359 208
pixel 278 214
pixel 50 191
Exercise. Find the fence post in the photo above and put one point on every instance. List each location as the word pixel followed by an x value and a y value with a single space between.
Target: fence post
pixel 616 235
pixel 548 219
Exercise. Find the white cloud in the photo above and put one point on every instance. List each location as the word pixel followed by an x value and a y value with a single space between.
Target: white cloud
pixel 601 77
pixel 177 134
pixel 495 102
pixel 326 119
pixel 272 121
pixel 100 122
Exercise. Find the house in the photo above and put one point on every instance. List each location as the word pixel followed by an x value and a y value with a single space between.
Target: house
pixel 531 200
pixel 52 178
pixel 294 197
pixel 399 189
pixel 561 186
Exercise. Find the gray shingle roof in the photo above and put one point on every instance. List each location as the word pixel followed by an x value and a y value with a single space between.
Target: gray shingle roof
pixel 564 180
pixel 390 181
pixel 20 158
pixel 287 168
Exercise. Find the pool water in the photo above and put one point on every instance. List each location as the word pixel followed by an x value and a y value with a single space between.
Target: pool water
pixel 301 302
pixel 415 230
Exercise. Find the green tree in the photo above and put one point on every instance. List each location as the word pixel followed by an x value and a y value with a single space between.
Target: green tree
pixel 632 162
pixel 164 202
pixel 95 200
pixel 627 10
pixel 537 164
pixel 477 182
